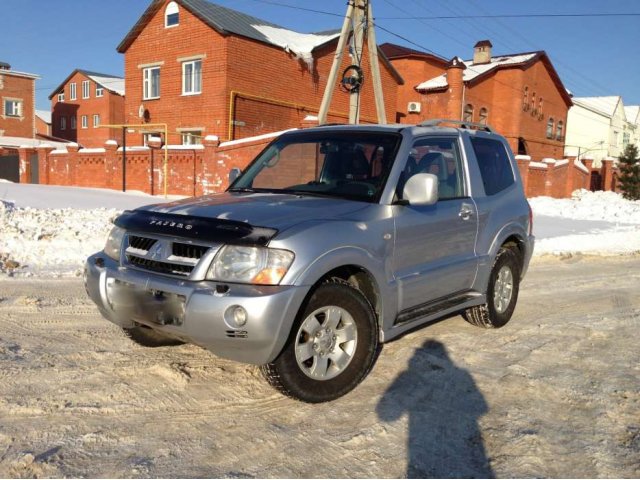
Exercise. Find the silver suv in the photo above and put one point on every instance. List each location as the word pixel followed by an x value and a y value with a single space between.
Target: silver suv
pixel 332 241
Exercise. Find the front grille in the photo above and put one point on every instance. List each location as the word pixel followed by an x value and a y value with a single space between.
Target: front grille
pixel 160 267
pixel 186 250
pixel 163 255
pixel 141 243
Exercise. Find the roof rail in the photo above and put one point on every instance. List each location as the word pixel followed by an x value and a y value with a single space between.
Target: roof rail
pixel 434 122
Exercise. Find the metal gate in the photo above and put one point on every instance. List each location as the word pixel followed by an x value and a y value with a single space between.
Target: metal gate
pixel 35 171
pixel 10 168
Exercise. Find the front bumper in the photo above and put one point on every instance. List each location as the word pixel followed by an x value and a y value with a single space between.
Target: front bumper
pixel 195 311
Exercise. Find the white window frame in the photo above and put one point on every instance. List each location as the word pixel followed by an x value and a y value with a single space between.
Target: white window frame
pixel 16 107
pixel 84 121
pixel 74 123
pixel 189 84
pixel 61 96
pixel 63 123
pixel 86 89
pixel 147 83
pixel 172 9
pixel 96 120
pixel 99 91
pixel 191 137
pixel 73 92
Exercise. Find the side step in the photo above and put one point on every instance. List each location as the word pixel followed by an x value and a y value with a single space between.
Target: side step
pixel 434 306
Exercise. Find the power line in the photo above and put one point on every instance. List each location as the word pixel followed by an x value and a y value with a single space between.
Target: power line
pixel 527 15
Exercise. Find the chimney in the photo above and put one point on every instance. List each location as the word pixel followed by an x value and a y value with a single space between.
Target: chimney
pixel 455 80
pixel 482 52
pixel 5 66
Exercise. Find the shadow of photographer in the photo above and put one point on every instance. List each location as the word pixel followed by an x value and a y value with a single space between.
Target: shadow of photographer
pixel 443 406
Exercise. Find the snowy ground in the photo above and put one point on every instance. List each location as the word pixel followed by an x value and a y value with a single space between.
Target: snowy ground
pixel 49 230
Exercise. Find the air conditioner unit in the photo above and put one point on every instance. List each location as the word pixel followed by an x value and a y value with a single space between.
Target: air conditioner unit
pixel 414 107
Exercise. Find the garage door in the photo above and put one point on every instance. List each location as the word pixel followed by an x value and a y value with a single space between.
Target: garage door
pixel 10 168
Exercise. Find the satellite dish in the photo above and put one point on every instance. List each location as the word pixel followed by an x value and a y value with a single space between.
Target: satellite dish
pixel 141 111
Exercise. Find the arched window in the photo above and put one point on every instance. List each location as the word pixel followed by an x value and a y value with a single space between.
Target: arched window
pixel 550 128
pixel 525 100
pixel 171 15
pixel 468 113
pixel 540 107
pixel 484 113
pixel 559 130
pixel 533 103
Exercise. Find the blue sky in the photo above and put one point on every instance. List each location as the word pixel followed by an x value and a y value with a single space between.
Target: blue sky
pixel 594 56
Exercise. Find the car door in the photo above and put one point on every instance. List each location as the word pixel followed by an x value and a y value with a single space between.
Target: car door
pixel 434 252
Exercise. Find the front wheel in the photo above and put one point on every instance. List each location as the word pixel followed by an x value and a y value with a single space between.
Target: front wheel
pixel 502 292
pixel 333 345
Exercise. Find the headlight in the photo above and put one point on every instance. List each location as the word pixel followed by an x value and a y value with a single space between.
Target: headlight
pixel 114 243
pixel 257 265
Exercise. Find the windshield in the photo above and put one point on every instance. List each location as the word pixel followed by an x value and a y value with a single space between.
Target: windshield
pixel 349 164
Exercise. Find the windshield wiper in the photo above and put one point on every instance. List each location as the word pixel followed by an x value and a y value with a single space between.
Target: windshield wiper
pixel 242 189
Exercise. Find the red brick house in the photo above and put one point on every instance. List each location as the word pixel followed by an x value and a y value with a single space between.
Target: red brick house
pixel 17 93
pixel 519 95
pixel 208 70
pixel 83 102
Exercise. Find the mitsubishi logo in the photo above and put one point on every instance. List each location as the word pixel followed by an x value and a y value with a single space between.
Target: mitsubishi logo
pixel 157 252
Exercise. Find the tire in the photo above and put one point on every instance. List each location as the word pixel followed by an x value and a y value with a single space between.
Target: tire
pixel 332 346
pixel 148 337
pixel 502 292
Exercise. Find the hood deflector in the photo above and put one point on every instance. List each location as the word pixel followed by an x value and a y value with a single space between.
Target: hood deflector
pixel 197 228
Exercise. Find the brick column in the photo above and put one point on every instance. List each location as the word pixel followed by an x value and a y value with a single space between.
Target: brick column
pixel 571 177
pixel 112 165
pixel 25 164
pixel 210 175
pixel 43 162
pixel 72 163
pixel 607 174
pixel 455 69
pixel 523 166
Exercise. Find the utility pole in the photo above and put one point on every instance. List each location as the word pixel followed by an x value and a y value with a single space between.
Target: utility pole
pixel 358 23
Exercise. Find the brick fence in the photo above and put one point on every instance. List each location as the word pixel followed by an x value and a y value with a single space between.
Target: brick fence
pixel 203 169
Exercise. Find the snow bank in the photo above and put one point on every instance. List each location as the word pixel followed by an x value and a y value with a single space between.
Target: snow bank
pixel 585 205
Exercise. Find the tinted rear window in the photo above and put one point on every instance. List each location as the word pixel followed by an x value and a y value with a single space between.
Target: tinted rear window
pixel 495 167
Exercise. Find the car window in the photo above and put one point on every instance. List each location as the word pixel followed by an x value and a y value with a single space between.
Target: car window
pixel 495 167
pixel 440 157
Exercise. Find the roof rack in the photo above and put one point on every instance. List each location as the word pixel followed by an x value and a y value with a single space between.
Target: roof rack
pixel 434 122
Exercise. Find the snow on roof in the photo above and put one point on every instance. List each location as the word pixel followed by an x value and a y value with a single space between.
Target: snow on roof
pixel 632 112
pixel 45 115
pixel 22 142
pixel 299 44
pixel 606 105
pixel 472 71
pixel 113 84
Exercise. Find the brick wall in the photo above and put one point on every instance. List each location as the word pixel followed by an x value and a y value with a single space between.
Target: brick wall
pixel 556 178
pixel 15 87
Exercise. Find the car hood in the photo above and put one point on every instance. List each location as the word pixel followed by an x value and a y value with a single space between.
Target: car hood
pixel 279 211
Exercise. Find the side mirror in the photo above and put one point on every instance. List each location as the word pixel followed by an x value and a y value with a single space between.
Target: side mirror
pixel 233 174
pixel 421 189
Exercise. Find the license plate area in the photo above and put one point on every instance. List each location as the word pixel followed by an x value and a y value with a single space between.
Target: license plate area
pixel 144 304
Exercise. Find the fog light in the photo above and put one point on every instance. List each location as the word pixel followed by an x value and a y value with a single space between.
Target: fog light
pixel 235 316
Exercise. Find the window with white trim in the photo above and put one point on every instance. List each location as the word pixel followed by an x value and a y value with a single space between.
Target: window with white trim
pixel 484 115
pixel 171 15
pixel 85 89
pixel 63 123
pixel 468 113
pixel 559 129
pixel 61 96
pixel 193 137
pixel 550 125
pixel 72 91
pixel 74 123
pixel 99 92
pixel 12 108
pixel 96 121
pixel 192 77
pixel 84 121
pixel 151 83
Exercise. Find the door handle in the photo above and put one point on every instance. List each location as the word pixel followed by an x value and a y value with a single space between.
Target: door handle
pixel 466 212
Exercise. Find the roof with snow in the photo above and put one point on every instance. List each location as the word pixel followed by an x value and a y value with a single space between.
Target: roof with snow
pixel 633 113
pixel 44 115
pixel 19 142
pixel 605 105
pixel 227 21
pixel 107 81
